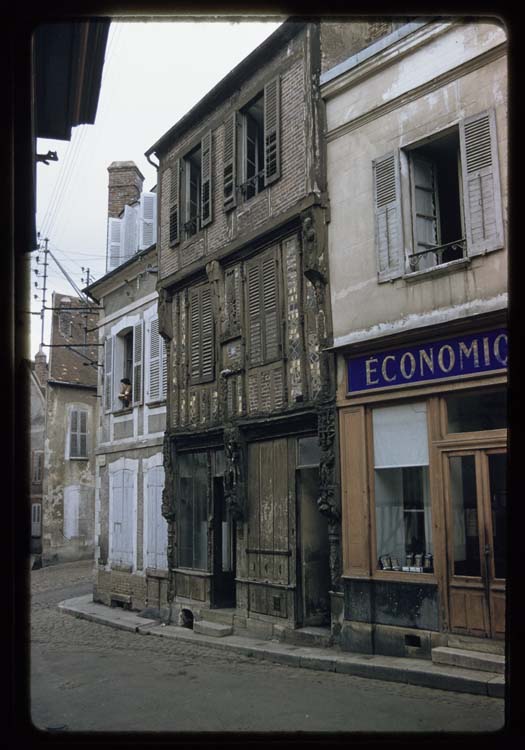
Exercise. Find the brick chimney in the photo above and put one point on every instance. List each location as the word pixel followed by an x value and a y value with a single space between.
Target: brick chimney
pixel 124 186
pixel 41 370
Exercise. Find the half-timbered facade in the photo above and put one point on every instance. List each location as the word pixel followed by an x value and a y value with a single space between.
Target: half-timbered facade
pixel 251 494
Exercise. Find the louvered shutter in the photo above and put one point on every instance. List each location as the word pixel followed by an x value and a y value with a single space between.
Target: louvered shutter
pixel 164 368
pixel 127 517
pixel 255 312
pixel 272 322
pixel 175 203
pixel 207 353
pixel 108 374
pixel 481 184
pixel 206 180
pixel 147 220
pixel 116 516
pixel 130 241
pixel 194 336
pixel 388 225
pixel 73 433
pixel 230 162
pixel 154 364
pixel 114 242
pixel 272 135
pixel 82 434
pixel 137 363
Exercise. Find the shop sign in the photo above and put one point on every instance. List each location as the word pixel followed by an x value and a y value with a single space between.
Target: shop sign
pixel 460 356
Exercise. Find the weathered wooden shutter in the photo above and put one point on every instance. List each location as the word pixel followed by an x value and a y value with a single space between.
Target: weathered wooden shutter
pixel 255 312
pixel 108 374
pixel 206 180
pixel 137 363
pixel 194 336
pixel 207 353
pixel 154 365
pixel 230 162
pixel 114 242
pixel 175 203
pixel 128 496
pixel 130 242
pixel 481 184
pixel 388 225
pixel 157 536
pixel 272 135
pixel 272 323
pixel 116 490
pixel 147 220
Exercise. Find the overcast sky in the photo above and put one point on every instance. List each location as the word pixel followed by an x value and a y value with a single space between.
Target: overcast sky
pixel 153 74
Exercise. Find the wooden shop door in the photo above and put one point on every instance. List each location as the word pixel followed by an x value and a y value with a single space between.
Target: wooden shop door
pixel 475 507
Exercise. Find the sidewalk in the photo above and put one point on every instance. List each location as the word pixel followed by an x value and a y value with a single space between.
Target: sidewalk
pixel 395 669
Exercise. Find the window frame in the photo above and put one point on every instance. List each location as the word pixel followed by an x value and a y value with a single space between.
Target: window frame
pixel 37 466
pixel 79 410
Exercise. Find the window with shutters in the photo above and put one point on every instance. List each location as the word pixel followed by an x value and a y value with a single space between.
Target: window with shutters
pixel 252 148
pixel 78 433
pixel 262 302
pixel 37 468
pixel 123 373
pixel 454 195
pixel 122 511
pixel 202 340
pixel 191 194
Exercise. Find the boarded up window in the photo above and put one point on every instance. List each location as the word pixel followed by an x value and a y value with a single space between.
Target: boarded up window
pixel 202 344
pixel 264 317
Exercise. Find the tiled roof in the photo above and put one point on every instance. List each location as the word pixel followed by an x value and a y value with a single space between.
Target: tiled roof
pixel 68 327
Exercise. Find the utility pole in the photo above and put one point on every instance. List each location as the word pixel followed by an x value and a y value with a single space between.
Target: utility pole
pixel 44 289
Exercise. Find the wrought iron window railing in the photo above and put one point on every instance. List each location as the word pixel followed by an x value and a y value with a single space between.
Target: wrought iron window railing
pixel 446 253
pixel 251 183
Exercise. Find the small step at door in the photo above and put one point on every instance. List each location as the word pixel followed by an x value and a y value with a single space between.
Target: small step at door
pixel 467 659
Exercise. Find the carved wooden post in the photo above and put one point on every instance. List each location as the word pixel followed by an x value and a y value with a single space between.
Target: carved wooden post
pixel 233 474
pixel 168 511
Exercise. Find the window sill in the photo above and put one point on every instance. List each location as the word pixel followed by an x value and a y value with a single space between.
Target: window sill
pixel 78 458
pixel 155 404
pixel 122 412
pixel 192 572
pixel 440 270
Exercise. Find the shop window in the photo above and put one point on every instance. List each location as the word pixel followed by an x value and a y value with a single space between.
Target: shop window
pixel 449 186
pixel 401 488
pixel 192 501
pixel 309 451
pixel 471 412
pixel 78 433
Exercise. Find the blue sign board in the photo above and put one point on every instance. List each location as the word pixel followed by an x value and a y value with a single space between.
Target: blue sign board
pixel 448 358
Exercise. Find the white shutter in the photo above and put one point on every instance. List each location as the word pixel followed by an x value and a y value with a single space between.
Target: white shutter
pixel 154 364
pixel 388 225
pixel 108 374
pixel 147 220
pixel 137 363
pixel 114 244
pixel 115 545
pixel 130 239
pixel 157 528
pixel 127 516
pixel 71 511
pixel 164 368
pixel 481 185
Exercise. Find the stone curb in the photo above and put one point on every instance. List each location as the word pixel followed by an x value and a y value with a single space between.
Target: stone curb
pixel 420 672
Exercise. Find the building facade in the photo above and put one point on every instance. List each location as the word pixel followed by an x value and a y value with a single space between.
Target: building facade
pixel 251 495
pixel 131 535
pixel 70 411
pixel 37 398
pixel 417 178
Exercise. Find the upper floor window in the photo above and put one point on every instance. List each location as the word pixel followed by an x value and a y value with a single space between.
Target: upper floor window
pixel 78 433
pixel 251 158
pixel 123 356
pixel 37 468
pixel 449 187
pixel 190 192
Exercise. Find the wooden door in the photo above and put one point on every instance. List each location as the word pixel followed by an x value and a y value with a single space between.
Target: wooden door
pixel 475 494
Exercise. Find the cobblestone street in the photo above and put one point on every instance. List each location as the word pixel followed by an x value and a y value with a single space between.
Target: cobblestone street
pixel 86 676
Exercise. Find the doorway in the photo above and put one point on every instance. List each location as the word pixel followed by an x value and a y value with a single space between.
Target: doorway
pixel 475 507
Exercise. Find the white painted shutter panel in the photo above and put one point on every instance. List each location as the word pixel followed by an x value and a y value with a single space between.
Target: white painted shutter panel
pixel 116 517
pixel 147 220
pixel 36 512
pixel 161 525
pixel 388 225
pixel 164 368
pixel 137 363
pixel 272 135
pixel 206 180
pixel 108 374
pixel 130 241
pixel 154 364
pixel 481 184
pixel 229 180
pixel 114 243
pixel 127 517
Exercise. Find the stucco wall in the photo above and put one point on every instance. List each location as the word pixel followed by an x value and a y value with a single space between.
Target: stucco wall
pixel 388 109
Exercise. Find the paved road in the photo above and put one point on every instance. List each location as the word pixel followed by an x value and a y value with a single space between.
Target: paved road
pixel 89 677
